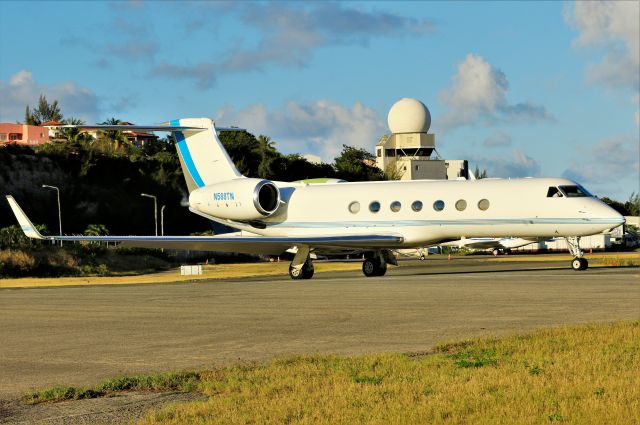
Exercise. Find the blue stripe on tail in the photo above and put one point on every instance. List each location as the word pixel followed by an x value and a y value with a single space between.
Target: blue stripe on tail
pixel 186 155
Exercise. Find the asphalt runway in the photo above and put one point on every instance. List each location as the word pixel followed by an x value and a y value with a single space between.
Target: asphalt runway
pixel 80 335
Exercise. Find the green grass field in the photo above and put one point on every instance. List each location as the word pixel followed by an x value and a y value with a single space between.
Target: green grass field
pixel 583 375
pixel 577 375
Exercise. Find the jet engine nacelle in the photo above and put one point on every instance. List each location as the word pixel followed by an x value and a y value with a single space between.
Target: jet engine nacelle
pixel 239 199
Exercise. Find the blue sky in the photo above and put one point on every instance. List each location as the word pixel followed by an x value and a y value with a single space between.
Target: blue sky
pixel 519 88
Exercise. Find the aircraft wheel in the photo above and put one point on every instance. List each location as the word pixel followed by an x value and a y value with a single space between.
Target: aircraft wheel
pixel 579 264
pixel 307 270
pixel 295 273
pixel 369 268
pixel 585 263
pixel 495 252
pixel 422 257
pixel 372 267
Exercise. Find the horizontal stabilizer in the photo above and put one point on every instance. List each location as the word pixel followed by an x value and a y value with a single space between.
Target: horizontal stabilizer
pixel 159 127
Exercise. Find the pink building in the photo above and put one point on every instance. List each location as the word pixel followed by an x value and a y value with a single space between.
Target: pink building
pixel 22 134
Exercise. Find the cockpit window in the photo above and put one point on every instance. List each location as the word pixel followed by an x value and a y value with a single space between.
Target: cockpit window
pixel 554 192
pixel 575 191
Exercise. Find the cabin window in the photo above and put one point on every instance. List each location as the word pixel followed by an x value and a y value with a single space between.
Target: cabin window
pixel 461 205
pixel 395 206
pixel 575 191
pixel 354 207
pixel 438 205
pixel 554 192
pixel 416 206
pixel 374 207
pixel 483 204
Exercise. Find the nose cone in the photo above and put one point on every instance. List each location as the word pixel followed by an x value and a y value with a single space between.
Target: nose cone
pixel 608 215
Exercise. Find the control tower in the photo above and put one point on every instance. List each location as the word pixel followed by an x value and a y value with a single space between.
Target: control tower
pixel 409 152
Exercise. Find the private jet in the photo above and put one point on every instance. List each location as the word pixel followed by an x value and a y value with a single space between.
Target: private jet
pixel 368 218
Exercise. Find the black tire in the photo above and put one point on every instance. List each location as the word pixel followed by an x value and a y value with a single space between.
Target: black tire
pixel 372 267
pixel 307 270
pixel 577 264
pixel 369 267
pixel 584 263
pixel 422 257
pixel 495 252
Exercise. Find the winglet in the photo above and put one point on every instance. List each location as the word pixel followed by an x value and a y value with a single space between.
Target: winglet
pixel 27 227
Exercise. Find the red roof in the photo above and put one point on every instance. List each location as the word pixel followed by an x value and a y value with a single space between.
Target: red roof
pixel 52 123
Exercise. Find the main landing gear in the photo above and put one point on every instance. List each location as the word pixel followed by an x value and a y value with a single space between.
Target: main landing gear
pixel 579 262
pixel 301 266
pixel 375 263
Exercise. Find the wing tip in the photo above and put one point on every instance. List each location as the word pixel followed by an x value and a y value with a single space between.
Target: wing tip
pixel 25 224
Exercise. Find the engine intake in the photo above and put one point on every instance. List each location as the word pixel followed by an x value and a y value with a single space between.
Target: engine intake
pixel 239 199
pixel 266 197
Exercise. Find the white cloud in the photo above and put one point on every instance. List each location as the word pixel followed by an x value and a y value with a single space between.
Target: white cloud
pixel 479 93
pixel 615 27
pixel 289 33
pixel 22 90
pixel 499 138
pixel 519 165
pixel 611 167
pixel 319 128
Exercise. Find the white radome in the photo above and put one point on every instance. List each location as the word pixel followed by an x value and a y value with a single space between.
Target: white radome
pixel 409 116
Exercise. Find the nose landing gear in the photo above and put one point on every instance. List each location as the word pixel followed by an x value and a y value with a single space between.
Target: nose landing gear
pixel 579 262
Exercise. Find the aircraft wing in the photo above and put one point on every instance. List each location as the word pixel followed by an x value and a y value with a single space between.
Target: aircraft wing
pixel 224 243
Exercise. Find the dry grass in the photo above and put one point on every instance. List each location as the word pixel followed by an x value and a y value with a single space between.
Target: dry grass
pixel 583 375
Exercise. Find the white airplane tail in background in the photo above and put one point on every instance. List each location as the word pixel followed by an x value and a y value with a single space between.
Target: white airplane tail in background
pixel 203 159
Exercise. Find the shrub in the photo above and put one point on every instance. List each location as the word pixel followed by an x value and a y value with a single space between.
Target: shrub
pixel 16 262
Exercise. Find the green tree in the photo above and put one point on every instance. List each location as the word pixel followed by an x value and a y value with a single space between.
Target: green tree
pixel 74 136
pixel 114 141
pixel 616 205
pixel 391 172
pixel 96 230
pixel 14 237
pixel 357 164
pixel 633 204
pixel 268 154
pixel 44 112
pixel 480 174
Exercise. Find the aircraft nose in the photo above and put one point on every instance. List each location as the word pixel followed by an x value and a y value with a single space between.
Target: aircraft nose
pixel 611 215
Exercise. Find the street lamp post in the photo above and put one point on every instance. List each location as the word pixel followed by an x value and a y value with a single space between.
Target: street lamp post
pixel 155 208
pixel 59 210
pixel 162 220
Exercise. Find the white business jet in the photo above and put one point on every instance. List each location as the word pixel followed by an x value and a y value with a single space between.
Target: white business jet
pixel 371 218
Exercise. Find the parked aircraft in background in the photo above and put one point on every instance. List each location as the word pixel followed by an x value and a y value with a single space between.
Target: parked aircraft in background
pixel 496 245
pixel 371 218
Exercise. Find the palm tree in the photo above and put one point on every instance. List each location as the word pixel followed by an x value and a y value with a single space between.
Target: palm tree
pixel 267 152
pixel 116 137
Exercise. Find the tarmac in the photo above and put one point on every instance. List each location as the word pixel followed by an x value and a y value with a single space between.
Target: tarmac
pixel 83 334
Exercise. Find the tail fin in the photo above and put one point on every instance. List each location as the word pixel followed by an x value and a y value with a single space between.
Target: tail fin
pixel 203 159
